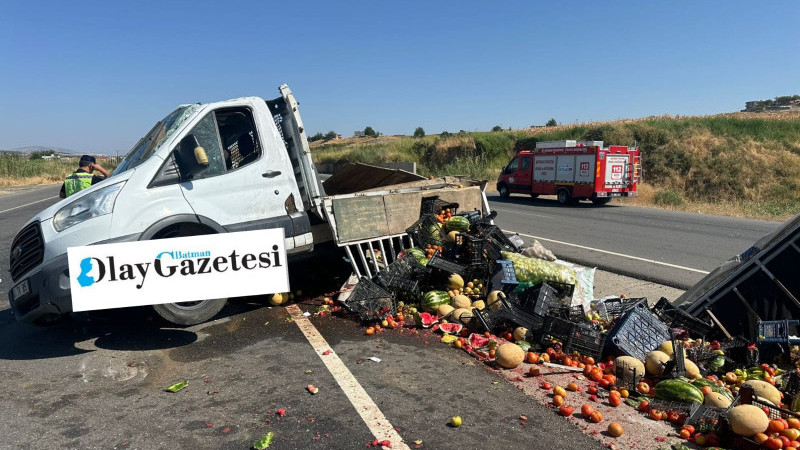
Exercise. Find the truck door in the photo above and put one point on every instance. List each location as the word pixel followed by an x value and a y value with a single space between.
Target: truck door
pixel 523 176
pixel 616 170
pixel 247 185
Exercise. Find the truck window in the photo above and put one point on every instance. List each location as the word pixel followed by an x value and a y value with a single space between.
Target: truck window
pixel 239 138
pixel 513 165
pixel 526 163
pixel 206 134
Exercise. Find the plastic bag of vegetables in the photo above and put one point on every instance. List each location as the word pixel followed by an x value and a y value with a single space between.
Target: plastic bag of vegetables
pixel 537 270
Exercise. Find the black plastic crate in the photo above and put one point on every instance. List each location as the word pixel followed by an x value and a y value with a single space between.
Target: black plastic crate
pixel 539 299
pixel 704 418
pixel 407 266
pixel 426 231
pixel 472 249
pixel 434 205
pixel 614 308
pixel 572 313
pixel 563 290
pixel 777 331
pixel 473 216
pixel 503 315
pixel 574 337
pixel 493 233
pixel 370 301
pixel 504 278
pixel 664 405
pixel 627 376
pixel 438 262
pixel 402 288
pixel 637 333
pixel 676 318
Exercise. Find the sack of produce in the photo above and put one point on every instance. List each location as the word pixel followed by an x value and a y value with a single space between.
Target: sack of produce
pixel 536 270
pixel 537 250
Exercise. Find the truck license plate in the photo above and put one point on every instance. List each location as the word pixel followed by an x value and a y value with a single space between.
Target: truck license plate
pixel 20 290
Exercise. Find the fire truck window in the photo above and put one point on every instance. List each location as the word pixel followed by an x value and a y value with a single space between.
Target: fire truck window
pixel 512 166
pixel 526 163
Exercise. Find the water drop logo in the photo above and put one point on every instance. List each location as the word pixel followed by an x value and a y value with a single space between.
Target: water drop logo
pixel 84 279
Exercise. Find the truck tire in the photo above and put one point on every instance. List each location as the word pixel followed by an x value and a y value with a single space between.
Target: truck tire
pixel 534 195
pixel 503 190
pixel 601 201
pixel 190 313
pixel 564 196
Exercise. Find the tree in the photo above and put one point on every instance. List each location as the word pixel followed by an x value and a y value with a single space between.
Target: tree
pixel 551 123
pixel 41 154
pixel 445 134
pixel 370 132
pixel 316 137
pixel 497 128
pixel 330 135
pixel 419 132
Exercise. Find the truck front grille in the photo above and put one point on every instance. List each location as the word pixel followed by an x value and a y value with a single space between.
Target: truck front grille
pixel 27 251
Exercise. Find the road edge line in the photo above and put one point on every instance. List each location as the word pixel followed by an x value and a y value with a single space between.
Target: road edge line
pixel 27 204
pixel 652 261
pixel 372 416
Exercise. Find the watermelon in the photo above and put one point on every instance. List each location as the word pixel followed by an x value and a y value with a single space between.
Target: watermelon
pixel 435 235
pixel 425 320
pixel 478 340
pixel 432 300
pixel 678 391
pixel 457 223
pixel 419 255
pixel 700 382
pixel 451 328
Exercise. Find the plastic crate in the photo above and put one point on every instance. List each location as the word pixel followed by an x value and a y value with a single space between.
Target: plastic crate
pixel 664 405
pixel 438 262
pixel 572 313
pixel 563 290
pixel 627 376
pixel 637 333
pixel 792 386
pixel 370 301
pixel 504 279
pixel 748 397
pixel 574 337
pixel 777 331
pixel 539 299
pixel 495 234
pixel 704 418
pixel 614 308
pixel 505 314
pixel 472 216
pixel 472 249
pixel 434 205
pixel 426 231
pixel 401 287
pixel 677 318
pixel 408 267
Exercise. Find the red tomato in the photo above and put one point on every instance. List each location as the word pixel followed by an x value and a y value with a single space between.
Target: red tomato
pixel 586 410
pixel 591 390
pixel 685 434
pixel 532 358
pixel 773 443
pixel 596 417
pixel 565 410
pixel 644 406
pixel 673 416
pixel 614 400
pixel 546 385
pixel 688 428
pixel 642 387
pixel 776 426
pixel 615 430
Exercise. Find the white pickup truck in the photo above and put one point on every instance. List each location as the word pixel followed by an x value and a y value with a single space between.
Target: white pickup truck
pixel 236 165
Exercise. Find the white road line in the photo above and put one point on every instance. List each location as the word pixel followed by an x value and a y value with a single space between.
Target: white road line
pixel 524 213
pixel 27 204
pixel 652 261
pixel 366 408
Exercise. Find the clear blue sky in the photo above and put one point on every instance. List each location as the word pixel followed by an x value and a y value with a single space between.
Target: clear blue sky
pixel 94 76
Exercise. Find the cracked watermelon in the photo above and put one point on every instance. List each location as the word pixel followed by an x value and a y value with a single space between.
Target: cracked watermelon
pixel 451 328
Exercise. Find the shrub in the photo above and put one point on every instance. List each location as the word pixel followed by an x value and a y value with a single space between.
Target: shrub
pixel 551 123
pixel 419 132
pixel 668 197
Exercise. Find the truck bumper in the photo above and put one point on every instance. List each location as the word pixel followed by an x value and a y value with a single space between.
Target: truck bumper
pixel 47 295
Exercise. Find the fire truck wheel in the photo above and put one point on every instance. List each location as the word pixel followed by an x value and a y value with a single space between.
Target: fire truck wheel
pixel 534 195
pixel 503 190
pixel 601 201
pixel 563 196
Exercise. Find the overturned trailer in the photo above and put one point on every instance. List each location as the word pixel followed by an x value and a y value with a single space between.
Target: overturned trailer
pixel 762 284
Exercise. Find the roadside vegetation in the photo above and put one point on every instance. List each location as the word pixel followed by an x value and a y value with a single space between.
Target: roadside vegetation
pixel 16 170
pixel 745 164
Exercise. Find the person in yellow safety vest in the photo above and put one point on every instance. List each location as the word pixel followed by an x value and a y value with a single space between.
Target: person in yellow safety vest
pixel 83 177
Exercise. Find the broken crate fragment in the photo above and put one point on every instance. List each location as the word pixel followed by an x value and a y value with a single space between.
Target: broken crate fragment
pixel 177 386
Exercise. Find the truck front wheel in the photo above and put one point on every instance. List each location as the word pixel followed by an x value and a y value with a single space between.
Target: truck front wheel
pixel 503 190
pixel 190 313
pixel 563 196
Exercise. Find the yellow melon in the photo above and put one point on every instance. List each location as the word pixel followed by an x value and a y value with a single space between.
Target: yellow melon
pixel 509 355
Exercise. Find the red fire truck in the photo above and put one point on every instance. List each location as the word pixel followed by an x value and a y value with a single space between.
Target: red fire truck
pixel 573 171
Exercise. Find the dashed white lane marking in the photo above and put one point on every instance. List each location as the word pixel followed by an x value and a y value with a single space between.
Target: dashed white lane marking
pixel 652 261
pixel 27 204
pixel 366 408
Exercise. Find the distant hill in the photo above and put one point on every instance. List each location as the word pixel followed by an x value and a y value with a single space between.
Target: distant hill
pixel 41 148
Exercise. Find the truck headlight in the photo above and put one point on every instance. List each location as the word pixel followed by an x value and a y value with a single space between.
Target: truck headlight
pixel 96 204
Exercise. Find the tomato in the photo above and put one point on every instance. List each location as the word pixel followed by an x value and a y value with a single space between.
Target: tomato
pixel 370 331
pixel 491 353
pixel 532 358
pixel 673 416
pixel 775 426
pixel 544 357
pixel 591 390
pixel 546 385
pixel 596 374
pixel 568 361
pixel 656 414
pixel 642 387
pixel 603 383
pixel 706 390
pixel 785 440
pixel 614 400
pixel 586 410
pixel 773 443
pixel 611 378
pixel 700 440
pixel 558 400
pixel 793 423
pixel 588 360
pixel 558 390
pixel 508 336
pixel 624 393
pixel 615 430
pixel 573 387
pixel 550 351
pixel 685 434
pixel 596 417
pixel 644 406
pixel 794 444
pixel 565 410
pixel 487 334
pixel 688 428
pixel 766 410
pixel 534 371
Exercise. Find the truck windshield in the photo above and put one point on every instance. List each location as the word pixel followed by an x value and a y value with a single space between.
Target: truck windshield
pixel 155 137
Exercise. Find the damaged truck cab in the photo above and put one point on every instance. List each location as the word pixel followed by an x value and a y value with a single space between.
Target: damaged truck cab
pixel 236 165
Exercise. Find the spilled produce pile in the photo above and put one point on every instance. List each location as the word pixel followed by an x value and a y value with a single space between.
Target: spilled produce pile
pixel 532 317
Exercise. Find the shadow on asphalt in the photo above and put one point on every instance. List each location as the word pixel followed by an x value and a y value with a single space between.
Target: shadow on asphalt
pixel 547 202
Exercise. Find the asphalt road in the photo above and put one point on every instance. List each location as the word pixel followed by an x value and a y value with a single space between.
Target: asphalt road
pixel 667 247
